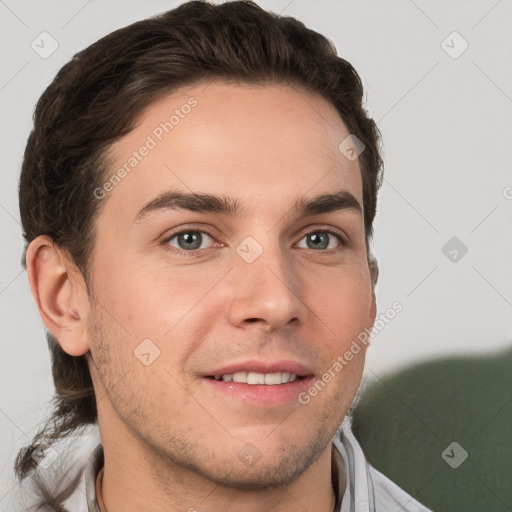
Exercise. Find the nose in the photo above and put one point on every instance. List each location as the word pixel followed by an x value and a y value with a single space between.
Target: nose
pixel 267 292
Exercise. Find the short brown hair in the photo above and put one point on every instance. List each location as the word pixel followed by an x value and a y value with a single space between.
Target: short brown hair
pixel 95 99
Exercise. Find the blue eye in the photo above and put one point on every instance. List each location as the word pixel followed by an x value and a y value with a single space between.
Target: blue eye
pixel 321 240
pixel 194 241
pixel 189 240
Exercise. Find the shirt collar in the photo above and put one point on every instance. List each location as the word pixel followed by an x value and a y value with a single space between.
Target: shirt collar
pixel 94 465
pixel 340 477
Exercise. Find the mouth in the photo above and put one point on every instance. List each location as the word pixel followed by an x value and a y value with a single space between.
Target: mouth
pixel 259 383
pixel 256 378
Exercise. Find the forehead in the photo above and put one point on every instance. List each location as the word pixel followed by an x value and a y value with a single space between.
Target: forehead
pixel 263 144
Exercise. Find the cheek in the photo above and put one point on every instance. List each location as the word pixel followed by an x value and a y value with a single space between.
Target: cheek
pixel 150 302
pixel 343 302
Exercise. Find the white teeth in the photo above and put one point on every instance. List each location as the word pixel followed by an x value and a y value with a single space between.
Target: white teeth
pixel 291 378
pixel 240 377
pixel 270 379
pixel 255 378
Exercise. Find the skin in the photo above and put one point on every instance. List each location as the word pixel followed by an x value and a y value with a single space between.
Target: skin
pixel 170 441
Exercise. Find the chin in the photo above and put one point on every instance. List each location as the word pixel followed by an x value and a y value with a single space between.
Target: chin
pixel 250 470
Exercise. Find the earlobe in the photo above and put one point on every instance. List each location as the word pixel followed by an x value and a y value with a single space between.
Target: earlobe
pixel 60 294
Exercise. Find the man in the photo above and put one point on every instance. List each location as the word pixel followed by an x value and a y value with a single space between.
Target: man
pixel 197 197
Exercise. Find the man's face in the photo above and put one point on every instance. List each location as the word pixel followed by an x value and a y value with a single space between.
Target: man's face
pixel 268 290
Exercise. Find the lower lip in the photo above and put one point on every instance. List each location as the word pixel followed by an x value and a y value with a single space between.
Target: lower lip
pixel 260 394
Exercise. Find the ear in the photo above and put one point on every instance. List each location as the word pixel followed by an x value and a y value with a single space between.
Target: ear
pixel 60 293
pixel 374 270
pixel 374 275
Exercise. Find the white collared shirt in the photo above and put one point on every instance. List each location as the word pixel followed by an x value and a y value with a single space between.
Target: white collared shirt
pixel 365 488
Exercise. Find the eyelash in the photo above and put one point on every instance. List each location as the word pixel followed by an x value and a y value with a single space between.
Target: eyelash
pixel 198 252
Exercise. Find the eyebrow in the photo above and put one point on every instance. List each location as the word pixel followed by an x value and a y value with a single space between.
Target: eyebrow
pixel 199 202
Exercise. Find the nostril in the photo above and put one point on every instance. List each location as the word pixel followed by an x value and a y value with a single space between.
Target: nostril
pixel 252 320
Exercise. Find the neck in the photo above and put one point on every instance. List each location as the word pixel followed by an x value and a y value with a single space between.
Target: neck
pixel 131 481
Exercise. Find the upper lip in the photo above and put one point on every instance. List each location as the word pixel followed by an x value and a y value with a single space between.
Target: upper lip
pixel 260 366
